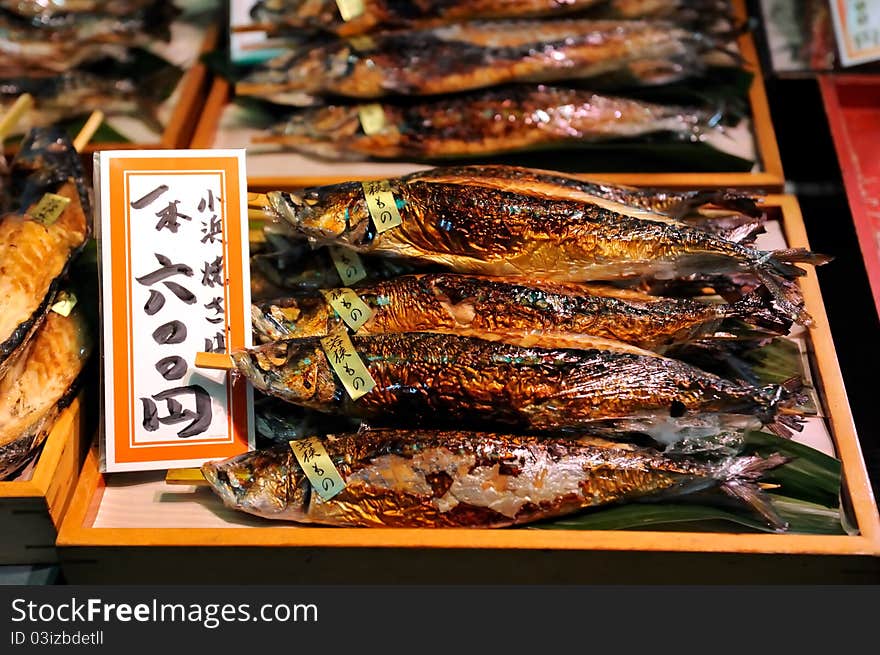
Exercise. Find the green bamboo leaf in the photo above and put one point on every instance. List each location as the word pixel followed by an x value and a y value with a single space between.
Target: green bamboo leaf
pixel 803 518
pixel 810 475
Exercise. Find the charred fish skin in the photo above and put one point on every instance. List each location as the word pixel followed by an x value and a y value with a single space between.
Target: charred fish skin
pixel 516 312
pixel 473 55
pixel 402 478
pixel 470 228
pixel 501 120
pixel 435 377
pixel 34 256
pixel 40 382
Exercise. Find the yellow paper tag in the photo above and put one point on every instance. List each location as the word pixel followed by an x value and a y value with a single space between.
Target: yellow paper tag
pixel 65 302
pixel 349 9
pixel 348 264
pixel 382 206
pixel 50 207
pixel 362 43
pixel 318 466
pixel 348 365
pixel 351 309
pixel 372 118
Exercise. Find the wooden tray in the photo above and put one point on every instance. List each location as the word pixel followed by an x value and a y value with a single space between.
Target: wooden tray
pixel 769 179
pixel 32 510
pixel 852 103
pixel 267 552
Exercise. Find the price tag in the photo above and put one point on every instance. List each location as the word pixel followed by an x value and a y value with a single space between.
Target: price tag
pixel 351 309
pixel 50 207
pixel 350 9
pixel 174 264
pixel 318 467
pixel 372 118
pixel 381 204
pixel 348 365
pixel 857 28
pixel 348 264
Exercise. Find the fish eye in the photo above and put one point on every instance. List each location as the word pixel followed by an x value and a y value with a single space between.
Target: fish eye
pixel 677 409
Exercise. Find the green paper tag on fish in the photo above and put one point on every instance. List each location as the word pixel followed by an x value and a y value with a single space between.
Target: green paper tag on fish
pixel 318 466
pixel 382 206
pixel 372 118
pixel 351 309
pixel 349 9
pixel 362 43
pixel 347 364
pixel 50 207
pixel 64 304
pixel 348 264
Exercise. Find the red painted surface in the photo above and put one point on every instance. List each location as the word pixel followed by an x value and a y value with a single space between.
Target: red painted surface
pixel 852 103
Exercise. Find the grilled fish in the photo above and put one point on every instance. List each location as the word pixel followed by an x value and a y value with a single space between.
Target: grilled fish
pixel 48 9
pixel 518 312
pixel 35 254
pixel 483 123
pixel 426 378
pixel 471 228
pixel 38 384
pixel 414 478
pixel 548 184
pixel 375 15
pixel 471 56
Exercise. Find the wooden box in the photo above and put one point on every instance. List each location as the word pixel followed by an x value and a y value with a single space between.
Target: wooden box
pixel 283 171
pixel 114 530
pixel 31 509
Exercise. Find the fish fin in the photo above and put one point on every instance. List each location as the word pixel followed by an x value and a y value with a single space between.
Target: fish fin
pixel 738 480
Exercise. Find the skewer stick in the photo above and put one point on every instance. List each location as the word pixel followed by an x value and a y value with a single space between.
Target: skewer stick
pixel 19 108
pixel 258 200
pixel 191 477
pixel 88 130
pixel 218 361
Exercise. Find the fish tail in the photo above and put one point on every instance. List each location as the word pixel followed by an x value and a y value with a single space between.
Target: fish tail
pixel 266 327
pixel 738 480
pixel 786 296
pixel 783 261
pixel 726 199
pixel 756 308
pixel 780 402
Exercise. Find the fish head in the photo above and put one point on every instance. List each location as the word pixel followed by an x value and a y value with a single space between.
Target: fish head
pixel 263 482
pixel 295 370
pixel 335 214
pixel 325 123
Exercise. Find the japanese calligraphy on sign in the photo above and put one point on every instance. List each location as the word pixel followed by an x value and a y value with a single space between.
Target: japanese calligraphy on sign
pixel 347 364
pixel 318 467
pixel 381 204
pixel 857 28
pixel 174 239
pixel 347 304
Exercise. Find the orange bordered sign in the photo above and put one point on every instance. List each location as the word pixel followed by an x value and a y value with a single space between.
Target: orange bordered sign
pixel 172 230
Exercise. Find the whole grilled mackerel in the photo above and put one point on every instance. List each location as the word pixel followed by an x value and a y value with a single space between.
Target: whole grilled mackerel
pixel 374 15
pixel 484 123
pixel 35 254
pixel 470 227
pixel 473 55
pixel 550 184
pixel 429 378
pixel 522 313
pixel 417 478
pixel 39 382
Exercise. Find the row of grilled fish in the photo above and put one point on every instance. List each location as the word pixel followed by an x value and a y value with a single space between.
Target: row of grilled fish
pixel 532 350
pixel 42 351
